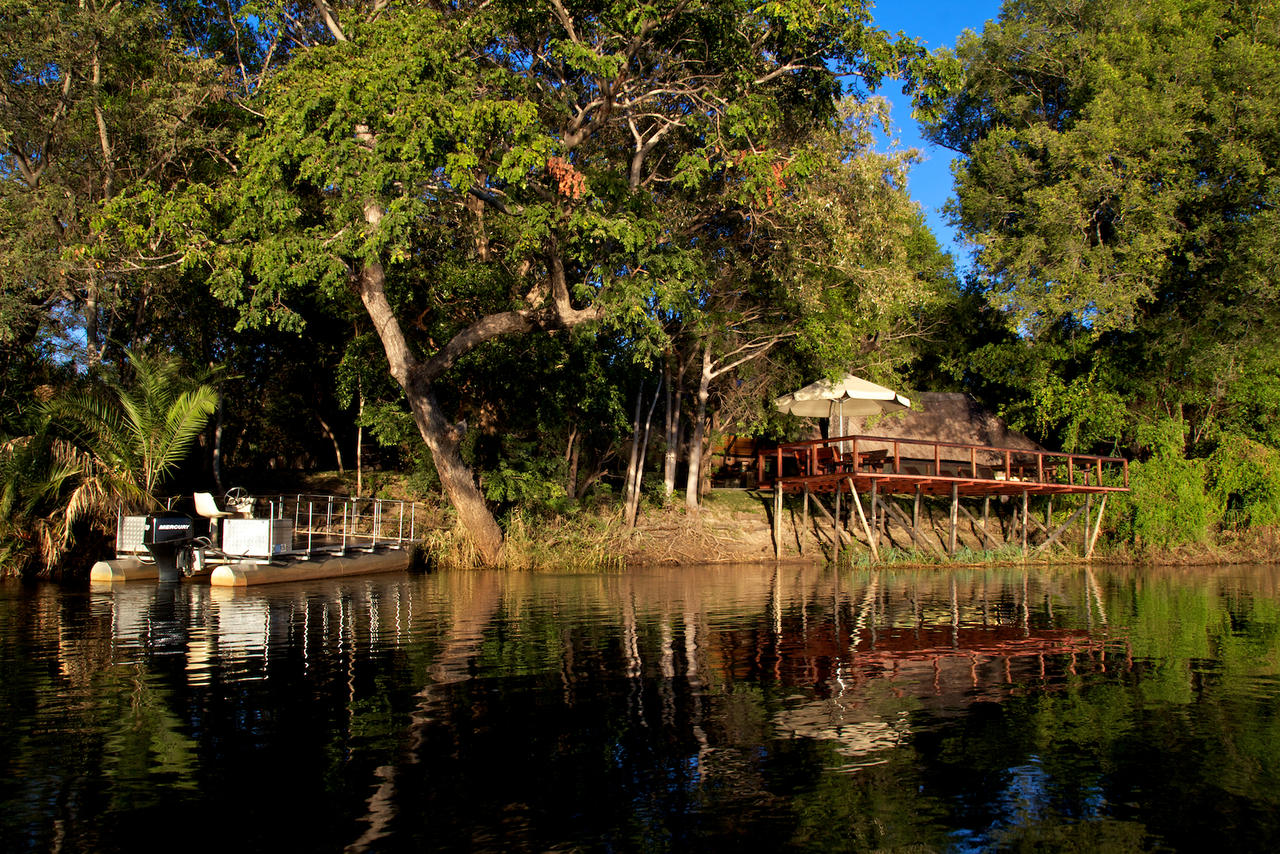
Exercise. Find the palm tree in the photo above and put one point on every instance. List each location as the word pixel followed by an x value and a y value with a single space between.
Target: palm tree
pixel 119 444
pixel 139 433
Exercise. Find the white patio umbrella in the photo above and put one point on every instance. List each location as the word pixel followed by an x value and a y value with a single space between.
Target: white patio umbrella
pixel 848 397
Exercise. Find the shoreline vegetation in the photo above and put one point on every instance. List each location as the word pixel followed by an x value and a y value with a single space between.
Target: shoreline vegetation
pixel 733 526
pixel 540 260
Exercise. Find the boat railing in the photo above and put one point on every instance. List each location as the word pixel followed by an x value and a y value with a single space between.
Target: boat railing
pixel 336 523
pixel 302 524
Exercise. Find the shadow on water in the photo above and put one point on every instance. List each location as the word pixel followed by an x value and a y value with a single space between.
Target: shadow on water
pixel 781 708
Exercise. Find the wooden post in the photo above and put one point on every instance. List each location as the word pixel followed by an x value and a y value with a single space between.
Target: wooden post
pixel 804 524
pixel 955 511
pixel 1026 521
pixel 915 511
pixel 982 530
pixel 1052 536
pixel 1048 514
pixel 844 536
pixel 836 522
pixel 892 509
pixel 866 529
pixel 777 520
pixel 875 522
pixel 1097 527
pixel 1088 522
pixel 915 520
pixel 986 510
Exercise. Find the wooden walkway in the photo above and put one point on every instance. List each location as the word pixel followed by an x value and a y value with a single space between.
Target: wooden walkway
pixel 881 467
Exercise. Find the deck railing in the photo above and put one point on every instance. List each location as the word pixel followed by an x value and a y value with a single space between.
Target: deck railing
pixel 882 455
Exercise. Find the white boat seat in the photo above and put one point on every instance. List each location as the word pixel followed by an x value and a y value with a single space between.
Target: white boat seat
pixel 207 507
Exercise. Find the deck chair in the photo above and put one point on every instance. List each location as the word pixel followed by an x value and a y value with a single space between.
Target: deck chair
pixel 207 507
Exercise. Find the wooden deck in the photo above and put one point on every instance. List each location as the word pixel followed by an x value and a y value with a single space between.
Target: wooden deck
pixel 883 467
pixel 903 466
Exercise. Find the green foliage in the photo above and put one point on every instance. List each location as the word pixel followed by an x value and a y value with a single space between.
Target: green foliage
pixel 109 134
pixel 141 431
pixel 99 449
pixel 1119 166
pixel 1245 478
pixel 525 479
pixel 1168 504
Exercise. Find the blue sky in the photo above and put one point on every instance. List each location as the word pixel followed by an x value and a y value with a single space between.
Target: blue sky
pixel 937 23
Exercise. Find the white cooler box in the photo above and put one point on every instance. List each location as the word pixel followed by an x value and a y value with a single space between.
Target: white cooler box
pixel 257 537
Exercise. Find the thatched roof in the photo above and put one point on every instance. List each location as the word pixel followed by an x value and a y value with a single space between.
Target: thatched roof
pixel 942 417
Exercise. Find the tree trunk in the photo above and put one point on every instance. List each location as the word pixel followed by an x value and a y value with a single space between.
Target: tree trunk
pixel 459 484
pixel 671 457
pixel 632 508
pixel 441 437
pixel 571 464
pixel 694 476
pixel 216 459
pixel 628 487
pixel 360 446
pixel 333 440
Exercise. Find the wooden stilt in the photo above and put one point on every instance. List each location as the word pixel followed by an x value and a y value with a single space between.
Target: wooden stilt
pixel 875 522
pixel 777 520
pixel 1097 527
pixel 986 514
pixel 1026 521
pixel 1052 536
pixel 1048 514
pixel 844 536
pixel 804 524
pixel 836 522
pixel 1088 522
pixel 915 519
pixel 981 528
pixel 902 518
pixel 866 529
pixel 955 505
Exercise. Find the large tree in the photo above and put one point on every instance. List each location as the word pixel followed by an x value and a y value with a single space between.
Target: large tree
pixel 104 109
pixel 478 170
pixel 1119 178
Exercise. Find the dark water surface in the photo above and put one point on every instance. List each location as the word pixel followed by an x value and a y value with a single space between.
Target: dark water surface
pixel 788 709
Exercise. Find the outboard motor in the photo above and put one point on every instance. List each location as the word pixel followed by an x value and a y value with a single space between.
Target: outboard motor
pixel 170 536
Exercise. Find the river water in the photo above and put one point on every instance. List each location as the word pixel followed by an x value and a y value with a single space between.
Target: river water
pixel 691 709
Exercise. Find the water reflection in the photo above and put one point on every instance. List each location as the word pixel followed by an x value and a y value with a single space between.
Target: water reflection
pixel 788 707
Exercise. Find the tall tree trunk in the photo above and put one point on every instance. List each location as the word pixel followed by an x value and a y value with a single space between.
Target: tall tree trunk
pixel 635 472
pixel 441 438
pixel 671 456
pixel 216 458
pixel 694 477
pixel 333 440
pixel 360 444
pixel 628 487
pixel 571 464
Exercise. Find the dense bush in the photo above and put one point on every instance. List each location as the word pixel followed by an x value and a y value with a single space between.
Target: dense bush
pixel 1168 503
pixel 1245 479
